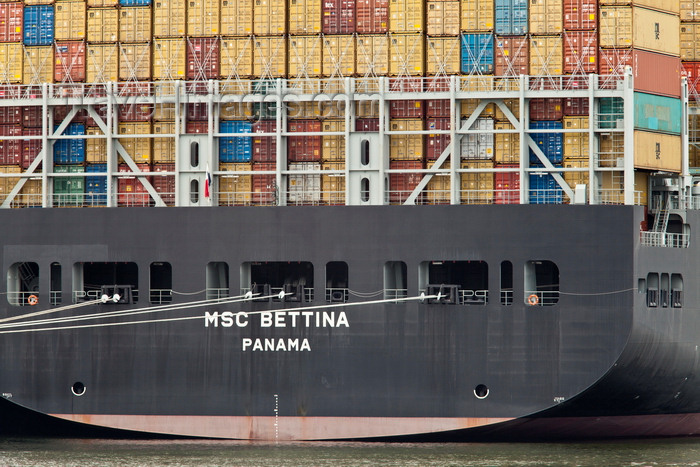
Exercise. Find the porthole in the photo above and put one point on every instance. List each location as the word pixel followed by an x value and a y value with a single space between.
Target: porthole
pixel 78 388
pixel 481 391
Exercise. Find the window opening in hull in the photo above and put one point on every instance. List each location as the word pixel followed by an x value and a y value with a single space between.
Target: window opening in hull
pixel 217 280
pixel 395 280
pixel 23 284
pixel 676 290
pixel 541 283
pixel 56 288
pixel 506 283
pixel 337 281
pixel 652 289
pixel 456 282
pixel 118 281
pixel 288 281
pixel 161 284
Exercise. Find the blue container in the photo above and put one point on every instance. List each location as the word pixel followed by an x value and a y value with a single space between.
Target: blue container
pixel 238 148
pixel 96 186
pixel 38 25
pixel 70 151
pixel 511 17
pixel 477 53
pixel 544 189
pixel 552 144
pixel 134 2
pixel 657 113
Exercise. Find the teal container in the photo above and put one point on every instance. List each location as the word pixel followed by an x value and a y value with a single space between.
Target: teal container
pixel 68 191
pixel 657 113
pixel 611 110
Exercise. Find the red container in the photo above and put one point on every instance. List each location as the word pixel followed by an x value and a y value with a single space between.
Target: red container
pixel 338 16
pixel 507 186
pixel 197 111
pixel 69 62
pixel 10 149
pixel 30 147
pixel 401 185
pixel 165 184
pixel 512 56
pixel 367 124
pixel 372 16
pixel 11 115
pixel 437 108
pixel 31 116
pixel 101 111
pixel 691 70
pixel 580 14
pixel 131 190
pixel 580 52
pixel 576 106
pixel 304 148
pixel 264 186
pixel 264 147
pixel 434 84
pixel 11 22
pixel 197 127
pixel 61 112
pixel 546 109
pixel 411 108
pixel 653 72
pixel 436 143
pixel 202 58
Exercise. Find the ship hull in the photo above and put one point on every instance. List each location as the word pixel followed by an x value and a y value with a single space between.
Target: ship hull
pixel 595 362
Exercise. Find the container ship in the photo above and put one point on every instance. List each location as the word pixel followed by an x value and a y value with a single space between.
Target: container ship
pixel 349 219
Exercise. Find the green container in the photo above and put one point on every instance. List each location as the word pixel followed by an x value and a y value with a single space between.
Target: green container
pixel 610 111
pixel 68 191
pixel 657 113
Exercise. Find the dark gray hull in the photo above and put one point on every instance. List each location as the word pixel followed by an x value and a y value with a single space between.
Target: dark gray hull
pixel 598 362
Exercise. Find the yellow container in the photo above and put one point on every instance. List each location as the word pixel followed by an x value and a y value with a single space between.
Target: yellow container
pixel 164 113
pixel 670 6
pixel 269 17
pixel 135 24
pixel 304 56
pixel 546 55
pixel 657 151
pixel 575 178
pixel 507 145
pixel 11 63
pixel 406 15
pixel 134 62
pixel 102 25
pixel 236 57
pixel 513 105
pixel 333 185
pixel 97 3
pixel 613 184
pixel 690 10
pixel 138 148
pixel 38 64
pixel 236 17
pixel 443 17
pixel 545 17
pixel 611 149
pixel 333 146
pixel 690 41
pixel 304 16
pixel 6 183
pixel 164 146
pixel 269 57
pixel 575 144
pixel 102 63
pixel 631 26
pixel 169 18
pixel 437 191
pixel 367 109
pixel 338 56
pixel 235 188
pixel 95 148
pixel 372 55
pixel 468 106
pixel 169 59
pixel 69 20
pixel 406 54
pixel 477 187
pixel 37 2
pixel 202 18
pixel 477 15
pixel 405 147
pixel 442 55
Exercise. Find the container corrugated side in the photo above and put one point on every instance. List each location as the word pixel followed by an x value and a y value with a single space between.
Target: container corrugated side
pixel 70 150
pixel 69 21
pixel 372 16
pixel 401 185
pixel 135 24
pixel 653 72
pixel 372 55
pixel 506 145
pixel 546 17
pixel 11 22
pixel 203 18
pixel 443 55
pixel 163 146
pixel 68 191
pixel 580 52
pixel 236 148
pixel 668 6
pixel 304 188
pixel 476 187
pixel 690 41
pixel 304 56
pixel 202 58
pixel 436 143
pixel 11 67
pixel 10 149
pixel 437 191
pixel 304 148
pixel 477 15
pixel 102 25
pixel 38 65
pixel 269 17
pixel 135 62
pixel 95 148
pixel 657 151
pixel 270 57
pixel 478 145
pixel 264 147
pixel 551 144
pixel 169 17
pixel 477 53
pixel 629 26
pixel 164 184
pixel 580 14
pixel 236 57
pixel 575 178
pixel 406 16
pixel 443 18
pixel 338 17
pixel 506 185
pixel 169 57
pixel 95 3
pixel 102 63
pixel 12 115
pixel 576 145
pixel 546 109
pixel 131 191
pixel 69 62
pixel 333 184
pixel 38 25
pixel 691 70
pixel 546 55
pixel 333 146
pixel 657 113
pixel 235 188
pixel 139 148
pixel 690 10
pixel 512 55
pixel 304 17
pixel 8 183
pixel 406 146
pixel 511 17
pixel 406 54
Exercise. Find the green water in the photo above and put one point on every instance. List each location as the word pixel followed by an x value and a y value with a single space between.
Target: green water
pixel 72 452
